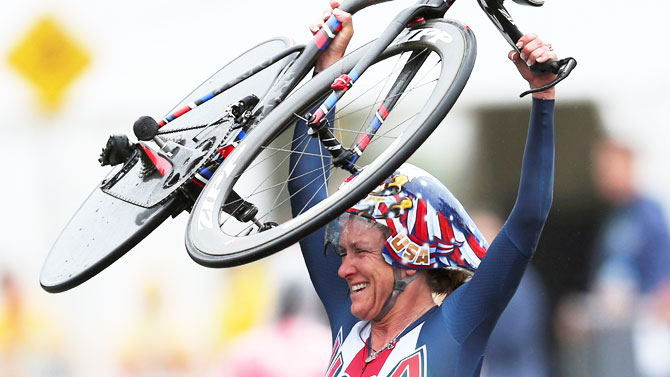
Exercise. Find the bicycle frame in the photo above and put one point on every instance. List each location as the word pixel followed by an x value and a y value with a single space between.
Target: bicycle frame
pixel 303 63
pixel 299 67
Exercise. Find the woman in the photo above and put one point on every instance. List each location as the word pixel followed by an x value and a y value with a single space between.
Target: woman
pixel 410 239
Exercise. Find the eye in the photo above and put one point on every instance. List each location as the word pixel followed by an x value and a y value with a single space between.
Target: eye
pixel 340 251
pixel 333 247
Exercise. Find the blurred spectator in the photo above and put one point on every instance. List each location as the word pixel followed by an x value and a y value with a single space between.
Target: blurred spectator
pixel 517 346
pixel 29 345
pixel 153 347
pixel 634 243
pixel 295 345
pixel 244 303
pixel 622 325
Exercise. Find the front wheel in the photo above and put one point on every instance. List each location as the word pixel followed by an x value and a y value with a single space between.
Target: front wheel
pixel 288 176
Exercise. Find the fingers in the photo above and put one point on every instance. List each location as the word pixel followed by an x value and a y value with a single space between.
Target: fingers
pixel 315 27
pixel 338 45
pixel 334 4
pixel 345 20
pixel 343 17
pixel 516 59
pixel 513 56
pixel 533 49
pixel 326 14
pixel 544 55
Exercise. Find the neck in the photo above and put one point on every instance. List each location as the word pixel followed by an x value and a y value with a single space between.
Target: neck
pixel 411 304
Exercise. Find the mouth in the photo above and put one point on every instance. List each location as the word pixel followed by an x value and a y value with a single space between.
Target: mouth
pixel 356 288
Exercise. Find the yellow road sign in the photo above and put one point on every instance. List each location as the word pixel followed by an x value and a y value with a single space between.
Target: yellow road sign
pixel 50 60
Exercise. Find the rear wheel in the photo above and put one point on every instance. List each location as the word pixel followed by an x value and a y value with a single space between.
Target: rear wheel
pixel 288 176
pixel 110 222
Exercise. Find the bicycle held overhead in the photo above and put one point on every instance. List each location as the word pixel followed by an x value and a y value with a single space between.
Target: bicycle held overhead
pixel 203 156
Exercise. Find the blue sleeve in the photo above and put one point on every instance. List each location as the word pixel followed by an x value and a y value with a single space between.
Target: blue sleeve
pixel 472 310
pixel 307 187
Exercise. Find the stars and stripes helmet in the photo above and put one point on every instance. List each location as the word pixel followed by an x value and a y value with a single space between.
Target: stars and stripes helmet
pixel 428 227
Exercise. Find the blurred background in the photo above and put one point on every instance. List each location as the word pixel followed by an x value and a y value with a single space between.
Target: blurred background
pixel 596 301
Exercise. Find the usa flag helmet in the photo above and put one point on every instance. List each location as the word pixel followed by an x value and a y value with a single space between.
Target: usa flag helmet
pixel 427 226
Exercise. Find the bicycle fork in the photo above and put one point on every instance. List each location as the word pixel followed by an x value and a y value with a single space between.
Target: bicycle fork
pixel 343 157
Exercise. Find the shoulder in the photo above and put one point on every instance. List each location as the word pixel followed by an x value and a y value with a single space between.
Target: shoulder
pixel 646 214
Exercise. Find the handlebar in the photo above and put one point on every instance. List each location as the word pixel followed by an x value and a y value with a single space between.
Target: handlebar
pixel 497 13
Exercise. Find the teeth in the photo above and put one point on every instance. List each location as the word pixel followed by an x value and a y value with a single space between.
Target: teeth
pixel 358 287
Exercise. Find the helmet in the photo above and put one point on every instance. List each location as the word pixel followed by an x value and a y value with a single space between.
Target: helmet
pixel 428 227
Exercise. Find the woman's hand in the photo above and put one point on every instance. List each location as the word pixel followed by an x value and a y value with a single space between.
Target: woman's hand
pixel 338 45
pixel 533 49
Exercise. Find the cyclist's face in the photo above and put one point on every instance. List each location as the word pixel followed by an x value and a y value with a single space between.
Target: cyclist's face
pixel 369 277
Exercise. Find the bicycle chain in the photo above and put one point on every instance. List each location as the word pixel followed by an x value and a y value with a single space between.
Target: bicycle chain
pixel 189 128
pixel 237 120
pixel 228 114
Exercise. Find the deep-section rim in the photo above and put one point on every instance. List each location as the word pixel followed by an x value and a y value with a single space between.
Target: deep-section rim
pixel 288 233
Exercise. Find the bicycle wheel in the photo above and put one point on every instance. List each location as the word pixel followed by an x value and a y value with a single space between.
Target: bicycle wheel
pixel 259 170
pixel 110 223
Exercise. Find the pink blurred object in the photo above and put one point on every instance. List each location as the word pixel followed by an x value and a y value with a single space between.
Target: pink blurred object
pixel 293 347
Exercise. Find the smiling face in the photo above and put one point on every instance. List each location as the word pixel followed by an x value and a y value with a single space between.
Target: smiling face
pixel 369 277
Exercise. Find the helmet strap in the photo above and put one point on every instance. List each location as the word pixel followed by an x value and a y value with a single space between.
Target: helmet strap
pixel 399 285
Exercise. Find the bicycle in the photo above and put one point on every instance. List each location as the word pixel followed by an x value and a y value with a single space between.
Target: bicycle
pixel 213 142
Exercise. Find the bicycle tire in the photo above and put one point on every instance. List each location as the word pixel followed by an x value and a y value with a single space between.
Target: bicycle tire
pixel 106 227
pixel 210 245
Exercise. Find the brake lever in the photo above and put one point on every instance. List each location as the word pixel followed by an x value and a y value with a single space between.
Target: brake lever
pixel 561 68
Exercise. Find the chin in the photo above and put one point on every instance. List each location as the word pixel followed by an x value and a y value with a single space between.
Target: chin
pixel 358 313
pixel 362 314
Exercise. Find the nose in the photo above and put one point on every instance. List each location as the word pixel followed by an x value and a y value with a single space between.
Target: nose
pixel 347 267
